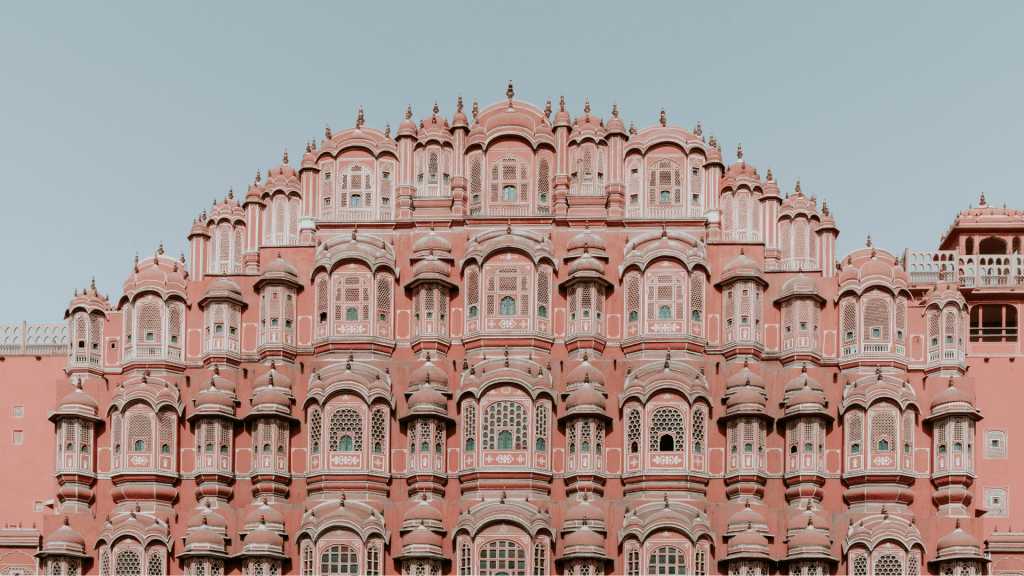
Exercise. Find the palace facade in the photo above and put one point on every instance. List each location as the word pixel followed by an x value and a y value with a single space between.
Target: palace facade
pixel 523 343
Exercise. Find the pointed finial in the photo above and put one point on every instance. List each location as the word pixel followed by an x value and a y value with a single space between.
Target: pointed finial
pixel 547 109
pixel 327 132
pixel 510 93
pixel 285 159
pixel 65 520
pixel 160 250
pixel 982 202
pixel 408 113
pixel 796 190
pixel 586 107
pixel 869 240
pixel 359 119
pixel 739 151
pixel 561 103
pixel 632 129
pixel 663 120
pixel 698 131
pixel 460 103
pixel 769 175
pixel 666 500
pixel 476 109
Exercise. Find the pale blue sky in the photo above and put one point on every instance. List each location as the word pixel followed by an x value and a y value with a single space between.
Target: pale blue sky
pixel 121 122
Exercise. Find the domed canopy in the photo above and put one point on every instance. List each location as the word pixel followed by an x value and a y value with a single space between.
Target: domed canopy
pixel 439 245
pixel 585 372
pixel 586 266
pixel 797 384
pixel 432 268
pixel 77 403
pixel 266 514
pixel 800 285
pixel 223 289
pixel 423 513
pixel 278 271
pixel 584 538
pixel 422 536
pixel 278 379
pixel 742 268
pixel 160 274
pixel 959 545
pixel 952 401
pixel 584 510
pixel 747 518
pixel 263 541
pixel 740 172
pixel 428 373
pixel 65 540
pixel 587 240
pixel 427 397
pixel 746 399
pixel 211 519
pixel 745 377
pixel 585 400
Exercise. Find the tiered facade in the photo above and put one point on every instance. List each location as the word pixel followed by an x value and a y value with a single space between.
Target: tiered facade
pixel 522 343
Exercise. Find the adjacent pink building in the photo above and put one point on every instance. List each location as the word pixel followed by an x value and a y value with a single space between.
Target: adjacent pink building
pixel 522 343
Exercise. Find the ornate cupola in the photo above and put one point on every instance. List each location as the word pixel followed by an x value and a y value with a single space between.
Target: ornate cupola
pixel 153 312
pixel 205 543
pixel 747 422
pixel 222 330
pixel 809 547
pixel 959 553
pixel 945 311
pixel 278 288
pixel 585 419
pixel 800 302
pixel 806 418
pixel 87 316
pixel 262 550
pixel 270 422
pixel 747 547
pixel 742 287
pixel 431 288
pixel 427 425
pixel 213 418
pixel 422 539
pixel 953 417
pixel 586 288
pixel 76 420
pixel 63 551
pixel 583 540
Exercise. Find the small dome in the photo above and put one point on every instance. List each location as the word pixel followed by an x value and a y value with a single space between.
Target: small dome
pixel 213 519
pixel 280 267
pixel 431 266
pixel 950 395
pixel 810 537
pixel 745 517
pixel 78 398
pixel 429 372
pixel 746 396
pixel 224 287
pixel 799 522
pixel 584 511
pixel 214 397
pixel 584 537
pixel 803 379
pixel 748 538
pixel 805 396
pixel 742 267
pixel 219 382
pixel 745 377
pixel 427 396
pixel 66 536
pixel 423 511
pixel 263 536
pixel 587 239
pixel 270 397
pixel 957 539
pixel 279 380
pixel 740 170
pixel 584 372
pixel 422 536
pixel 432 242
pixel 271 517
pixel 585 395
pixel 586 265
pixel 800 285
pixel 203 537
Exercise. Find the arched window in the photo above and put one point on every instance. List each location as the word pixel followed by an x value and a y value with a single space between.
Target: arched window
pixel 339 560
pixel 668 430
pixel 128 562
pixel 505 426
pixel 502 558
pixel 346 431
pixel 510 183
pixel 667 560
pixel 508 288
pixel 664 184
pixel 540 558
pixel 465 559
pixel 154 563
pixel 140 431
pixel 373 551
pixel 633 298
pixel 352 298
pixel 667 294
pixel 378 430
pixel 633 562
pixel 876 319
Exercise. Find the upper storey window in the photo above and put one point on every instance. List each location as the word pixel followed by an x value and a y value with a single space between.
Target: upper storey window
pixel 994 323
pixel 799 244
pixel 281 220
pixel 349 303
pixel 671 303
pixel 225 253
pixel 509 187
pixel 433 172
pixel 741 216
pixel 587 178
pixel 667 433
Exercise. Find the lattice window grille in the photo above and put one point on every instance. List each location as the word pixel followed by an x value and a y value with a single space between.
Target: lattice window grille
pixel 888 565
pixel 140 427
pixel 505 417
pixel 378 431
pixel 128 563
pixel 876 317
pixel 346 422
pixel 995 501
pixel 883 428
pixel 154 564
pixel 995 444
pixel 149 323
pixel 860 565
pixel 634 430
pixel 469 421
pixel 849 321
pixel 669 421
pixel 540 425
pixel 540 558
pixel 855 426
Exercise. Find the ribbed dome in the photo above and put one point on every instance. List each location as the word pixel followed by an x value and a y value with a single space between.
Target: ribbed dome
pixel 270 397
pixel 745 517
pixel 805 396
pixel 219 382
pixel 585 395
pixel 950 395
pixel 213 519
pixel 584 510
pixel 748 538
pixel 810 537
pixel 432 242
pixel 746 396
pixel 427 396
pixel 957 539
pixel 279 379
pixel 203 537
pixel 280 266
pixel 224 287
pixel 742 267
pixel 263 536
pixel 267 513
pixel 587 265
pixel 78 398
pixel 65 535
pixel 429 372
pixel 423 511
pixel 584 537
pixel 800 285
pixel 586 239
pixel 422 536
pixel 431 266
pixel 744 377
pixel 214 397
pixel 797 384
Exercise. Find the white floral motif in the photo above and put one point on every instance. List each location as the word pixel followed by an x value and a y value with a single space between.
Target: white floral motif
pixel 667 460
pixel 338 460
pixel 507 324
pixel 504 459
pixel 139 460
pixel 665 327
pixel 882 461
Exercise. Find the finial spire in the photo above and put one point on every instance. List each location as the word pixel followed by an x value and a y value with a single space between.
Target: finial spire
pixel 615 109
pixel 663 120
pixel 327 133
pixel 359 119
pixel 797 188
pixel 561 103
pixel 982 203
pixel 586 107
pixel 510 92
pixel 285 159
pixel 869 240
pixel 739 151
pixel 436 109
pixel 769 174
pixel 459 109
